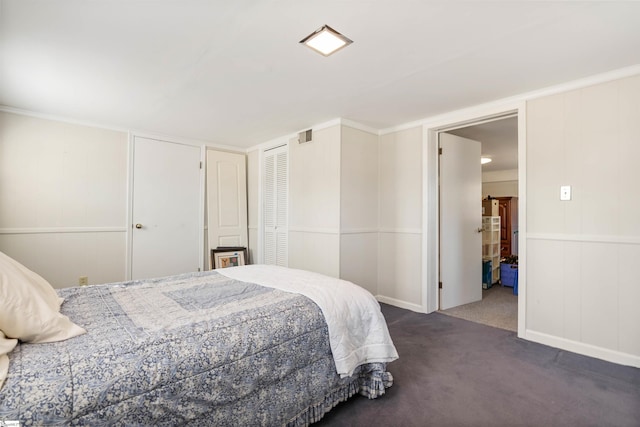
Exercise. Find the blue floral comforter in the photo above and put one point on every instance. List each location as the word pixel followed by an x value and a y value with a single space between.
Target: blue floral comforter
pixel 193 349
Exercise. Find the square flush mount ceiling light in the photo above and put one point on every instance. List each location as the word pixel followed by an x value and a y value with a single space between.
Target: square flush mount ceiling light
pixel 326 40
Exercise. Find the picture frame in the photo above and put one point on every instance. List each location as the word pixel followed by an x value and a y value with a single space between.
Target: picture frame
pixel 230 256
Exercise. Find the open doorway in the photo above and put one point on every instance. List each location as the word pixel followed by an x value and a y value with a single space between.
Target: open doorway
pixel 499 143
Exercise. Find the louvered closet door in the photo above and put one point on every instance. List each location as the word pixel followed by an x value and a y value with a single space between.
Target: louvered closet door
pixel 276 183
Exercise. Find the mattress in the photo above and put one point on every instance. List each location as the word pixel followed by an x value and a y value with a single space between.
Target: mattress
pixel 193 349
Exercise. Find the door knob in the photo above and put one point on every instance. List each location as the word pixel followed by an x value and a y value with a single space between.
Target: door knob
pixel 138 226
pixel 480 230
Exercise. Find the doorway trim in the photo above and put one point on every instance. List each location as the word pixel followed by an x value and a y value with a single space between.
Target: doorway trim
pixel 430 196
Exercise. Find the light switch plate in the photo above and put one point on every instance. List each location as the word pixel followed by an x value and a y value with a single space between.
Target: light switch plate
pixel 565 192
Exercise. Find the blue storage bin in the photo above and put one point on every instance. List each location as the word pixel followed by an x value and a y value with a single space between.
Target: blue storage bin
pixel 509 275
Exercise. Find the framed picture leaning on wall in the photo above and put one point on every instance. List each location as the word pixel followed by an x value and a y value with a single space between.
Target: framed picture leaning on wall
pixel 229 256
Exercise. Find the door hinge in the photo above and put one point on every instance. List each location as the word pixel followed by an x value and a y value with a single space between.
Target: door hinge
pixel 440 151
pixel 439 285
pixel 200 165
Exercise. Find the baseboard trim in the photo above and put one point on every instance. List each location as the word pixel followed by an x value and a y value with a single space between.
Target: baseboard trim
pixel 584 349
pixel 399 303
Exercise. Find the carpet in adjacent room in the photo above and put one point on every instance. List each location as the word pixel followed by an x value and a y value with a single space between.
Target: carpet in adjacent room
pixel 498 308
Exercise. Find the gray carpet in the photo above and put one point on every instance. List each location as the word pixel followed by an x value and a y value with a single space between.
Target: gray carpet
pixel 453 372
pixel 498 308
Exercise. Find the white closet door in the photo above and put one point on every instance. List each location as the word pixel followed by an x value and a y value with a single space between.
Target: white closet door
pixel 226 199
pixel 166 211
pixel 276 207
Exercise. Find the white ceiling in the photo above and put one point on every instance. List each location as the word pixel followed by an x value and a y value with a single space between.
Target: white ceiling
pixel 232 71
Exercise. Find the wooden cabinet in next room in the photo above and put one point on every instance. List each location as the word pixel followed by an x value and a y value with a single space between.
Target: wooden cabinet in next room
pixel 508 212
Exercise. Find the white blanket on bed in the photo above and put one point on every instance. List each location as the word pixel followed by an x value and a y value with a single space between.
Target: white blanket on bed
pixel 357 330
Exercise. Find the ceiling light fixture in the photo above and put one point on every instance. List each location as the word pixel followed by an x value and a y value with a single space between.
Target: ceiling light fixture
pixel 326 40
pixel 485 160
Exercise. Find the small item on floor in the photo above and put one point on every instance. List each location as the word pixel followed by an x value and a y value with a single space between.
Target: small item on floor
pixel 509 274
pixel 487 275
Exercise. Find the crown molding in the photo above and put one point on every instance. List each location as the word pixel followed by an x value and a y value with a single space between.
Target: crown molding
pixel 527 96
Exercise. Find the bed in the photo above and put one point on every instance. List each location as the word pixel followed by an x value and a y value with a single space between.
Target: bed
pixel 251 345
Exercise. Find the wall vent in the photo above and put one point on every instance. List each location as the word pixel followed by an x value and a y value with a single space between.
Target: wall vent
pixel 305 136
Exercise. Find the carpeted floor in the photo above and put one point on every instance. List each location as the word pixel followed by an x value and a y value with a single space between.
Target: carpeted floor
pixel 498 308
pixel 453 372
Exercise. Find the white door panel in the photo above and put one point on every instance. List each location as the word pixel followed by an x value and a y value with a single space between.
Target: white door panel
pixel 460 220
pixel 226 199
pixel 166 209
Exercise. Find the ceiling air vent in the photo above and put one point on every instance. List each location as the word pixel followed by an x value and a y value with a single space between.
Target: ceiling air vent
pixel 305 136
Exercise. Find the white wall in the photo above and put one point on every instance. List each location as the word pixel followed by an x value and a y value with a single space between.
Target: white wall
pixel 500 189
pixel 400 238
pixel 358 180
pixel 314 202
pixel 582 282
pixel 63 193
pixel 502 183
pixel 359 208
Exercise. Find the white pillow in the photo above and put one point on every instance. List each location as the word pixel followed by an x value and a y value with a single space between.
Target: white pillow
pixel 6 345
pixel 29 306
pixel 20 273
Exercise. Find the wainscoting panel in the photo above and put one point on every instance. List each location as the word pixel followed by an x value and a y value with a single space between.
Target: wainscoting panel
pixel 62 257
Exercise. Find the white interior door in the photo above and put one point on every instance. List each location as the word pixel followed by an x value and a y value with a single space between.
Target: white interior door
pixel 226 199
pixel 166 211
pixel 460 221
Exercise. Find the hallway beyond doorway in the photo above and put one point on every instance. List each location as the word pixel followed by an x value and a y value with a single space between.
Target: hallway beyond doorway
pixel 498 308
